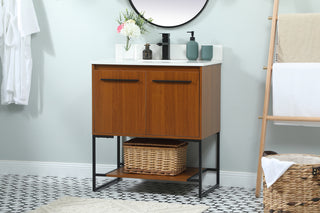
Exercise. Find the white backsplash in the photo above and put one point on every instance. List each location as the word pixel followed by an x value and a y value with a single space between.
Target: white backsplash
pixel 177 52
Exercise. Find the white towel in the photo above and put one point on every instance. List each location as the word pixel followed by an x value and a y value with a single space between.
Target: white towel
pixel 296 92
pixel 273 169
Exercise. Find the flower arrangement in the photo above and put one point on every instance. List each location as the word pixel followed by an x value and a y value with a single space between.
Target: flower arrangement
pixel 131 25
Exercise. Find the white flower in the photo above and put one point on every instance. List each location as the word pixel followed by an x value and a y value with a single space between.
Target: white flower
pixel 131 21
pixel 130 29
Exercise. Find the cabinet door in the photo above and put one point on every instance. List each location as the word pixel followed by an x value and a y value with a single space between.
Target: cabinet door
pixel 118 102
pixel 173 104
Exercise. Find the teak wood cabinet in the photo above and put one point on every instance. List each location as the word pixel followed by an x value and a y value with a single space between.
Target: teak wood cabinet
pixel 156 101
pixel 176 102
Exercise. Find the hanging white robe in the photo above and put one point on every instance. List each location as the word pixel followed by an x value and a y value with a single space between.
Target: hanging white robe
pixel 1 30
pixel 19 21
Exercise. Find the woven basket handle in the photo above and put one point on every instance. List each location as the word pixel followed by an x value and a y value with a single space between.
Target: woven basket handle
pixel 266 153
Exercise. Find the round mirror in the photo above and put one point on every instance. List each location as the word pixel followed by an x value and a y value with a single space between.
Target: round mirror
pixel 169 13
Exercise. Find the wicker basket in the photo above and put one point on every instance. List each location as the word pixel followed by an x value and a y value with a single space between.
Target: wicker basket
pixel 155 156
pixel 298 189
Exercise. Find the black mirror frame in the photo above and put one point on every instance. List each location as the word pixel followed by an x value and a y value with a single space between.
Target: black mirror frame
pixel 135 9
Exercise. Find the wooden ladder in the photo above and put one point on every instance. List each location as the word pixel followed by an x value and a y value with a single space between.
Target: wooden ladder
pixel 265 117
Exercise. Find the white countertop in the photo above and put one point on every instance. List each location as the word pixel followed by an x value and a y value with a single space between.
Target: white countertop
pixel 140 62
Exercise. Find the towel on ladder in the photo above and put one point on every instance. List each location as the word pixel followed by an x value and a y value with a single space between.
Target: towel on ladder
pixel 299 38
pixel 296 92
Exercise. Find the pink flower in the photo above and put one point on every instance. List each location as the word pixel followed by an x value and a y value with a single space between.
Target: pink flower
pixel 120 27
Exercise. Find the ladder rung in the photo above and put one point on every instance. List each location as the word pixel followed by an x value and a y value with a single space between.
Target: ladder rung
pixel 270 18
pixel 291 118
pixel 265 68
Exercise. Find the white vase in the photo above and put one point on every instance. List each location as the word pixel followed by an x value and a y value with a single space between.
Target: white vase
pixel 128 54
pixel 121 53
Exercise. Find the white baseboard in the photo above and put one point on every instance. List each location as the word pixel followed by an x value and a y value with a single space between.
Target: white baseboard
pixel 84 170
pixel 238 179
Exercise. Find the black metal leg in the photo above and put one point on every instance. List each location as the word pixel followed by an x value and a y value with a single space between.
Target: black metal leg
pixel 118 152
pixel 94 164
pixel 200 169
pixel 218 158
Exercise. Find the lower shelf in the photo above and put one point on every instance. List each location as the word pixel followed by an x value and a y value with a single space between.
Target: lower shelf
pixel 184 176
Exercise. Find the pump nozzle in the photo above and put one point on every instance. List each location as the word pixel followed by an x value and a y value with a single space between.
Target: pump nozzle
pixel 192 38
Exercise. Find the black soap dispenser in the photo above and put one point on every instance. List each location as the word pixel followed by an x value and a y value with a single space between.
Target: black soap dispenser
pixel 192 48
pixel 147 53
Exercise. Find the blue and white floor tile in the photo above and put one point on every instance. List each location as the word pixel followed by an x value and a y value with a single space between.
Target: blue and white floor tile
pixel 23 193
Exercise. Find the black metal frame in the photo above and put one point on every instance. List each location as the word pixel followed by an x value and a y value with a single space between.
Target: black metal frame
pixel 193 178
pixel 138 12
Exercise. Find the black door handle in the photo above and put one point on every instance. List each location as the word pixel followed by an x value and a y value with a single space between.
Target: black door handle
pixel 119 80
pixel 172 81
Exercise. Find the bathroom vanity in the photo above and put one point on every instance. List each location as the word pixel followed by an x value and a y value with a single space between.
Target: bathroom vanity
pixel 156 99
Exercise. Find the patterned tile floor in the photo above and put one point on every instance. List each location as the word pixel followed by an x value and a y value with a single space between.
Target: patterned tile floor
pixel 22 193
